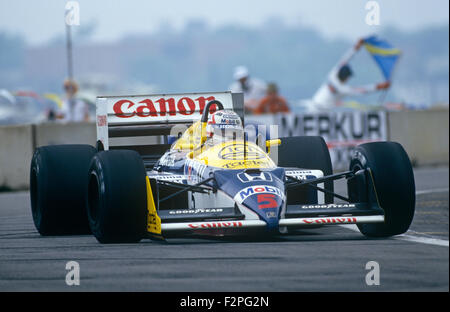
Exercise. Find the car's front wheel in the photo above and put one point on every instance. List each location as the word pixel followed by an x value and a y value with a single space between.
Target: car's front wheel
pixel 394 184
pixel 117 197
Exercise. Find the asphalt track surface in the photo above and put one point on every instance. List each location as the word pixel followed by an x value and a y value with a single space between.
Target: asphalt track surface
pixel 325 259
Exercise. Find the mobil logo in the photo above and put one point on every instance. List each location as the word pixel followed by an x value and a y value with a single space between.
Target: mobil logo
pixel 243 194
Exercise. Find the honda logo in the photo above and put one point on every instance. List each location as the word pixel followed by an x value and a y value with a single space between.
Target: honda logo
pixel 252 177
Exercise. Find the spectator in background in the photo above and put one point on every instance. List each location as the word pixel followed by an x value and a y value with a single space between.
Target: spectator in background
pixel 253 88
pixel 330 94
pixel 272 103
pixel 73 109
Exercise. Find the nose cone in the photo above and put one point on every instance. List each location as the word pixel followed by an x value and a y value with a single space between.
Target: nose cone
pixel 265 200
pixel 260 191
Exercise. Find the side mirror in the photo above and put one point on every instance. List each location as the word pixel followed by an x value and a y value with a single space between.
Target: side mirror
pixel 270 143
pixel 186 146
pixel 274 142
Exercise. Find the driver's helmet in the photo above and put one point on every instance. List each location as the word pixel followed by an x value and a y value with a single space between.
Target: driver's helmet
pixel 225 125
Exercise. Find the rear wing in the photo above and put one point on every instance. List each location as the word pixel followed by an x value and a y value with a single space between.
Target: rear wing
pixel 144 122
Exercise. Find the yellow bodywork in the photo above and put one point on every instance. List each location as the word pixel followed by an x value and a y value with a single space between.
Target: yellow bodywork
pixel 231 155
pixel 153 220
pixel 191 138
pixel 228 154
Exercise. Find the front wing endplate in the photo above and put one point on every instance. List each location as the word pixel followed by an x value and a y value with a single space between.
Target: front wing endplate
pixel 153 220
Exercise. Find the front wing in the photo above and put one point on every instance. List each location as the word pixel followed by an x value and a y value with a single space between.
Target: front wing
pixel 167 222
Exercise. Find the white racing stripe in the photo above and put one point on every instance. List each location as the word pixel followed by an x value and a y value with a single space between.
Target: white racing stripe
pixel 407 237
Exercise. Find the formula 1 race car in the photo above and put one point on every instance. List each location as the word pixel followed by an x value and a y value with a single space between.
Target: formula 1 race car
pixel 164 165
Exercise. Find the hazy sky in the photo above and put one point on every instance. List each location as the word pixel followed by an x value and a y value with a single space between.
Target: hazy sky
pixel 41 20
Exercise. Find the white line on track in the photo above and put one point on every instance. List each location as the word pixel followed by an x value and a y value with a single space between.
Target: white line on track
pixel 432 191
pixel 410 237
pixel 422 239
pixel 407 237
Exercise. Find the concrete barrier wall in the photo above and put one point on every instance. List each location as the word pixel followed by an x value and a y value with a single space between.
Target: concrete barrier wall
pixel 17 144
pixel 424 134
pixel 16 150
pixel 68 133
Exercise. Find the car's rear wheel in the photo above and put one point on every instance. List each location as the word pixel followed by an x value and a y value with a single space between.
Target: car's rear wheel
pixel 307 152
pixel 394 184
pixel 58 188
pixel 117 197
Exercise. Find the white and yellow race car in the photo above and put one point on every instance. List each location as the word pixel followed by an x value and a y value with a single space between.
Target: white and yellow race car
pixel 214 178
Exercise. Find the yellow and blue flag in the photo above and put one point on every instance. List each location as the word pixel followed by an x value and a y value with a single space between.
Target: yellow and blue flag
pixel 384 54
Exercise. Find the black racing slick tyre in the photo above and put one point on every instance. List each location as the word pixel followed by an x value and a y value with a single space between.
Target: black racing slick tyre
pixel 117 197
pixel 394 184
pixel 307 152
pixel 58 188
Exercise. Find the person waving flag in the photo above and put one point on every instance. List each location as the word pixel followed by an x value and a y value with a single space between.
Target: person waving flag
pixel 336 87
pixel 384 54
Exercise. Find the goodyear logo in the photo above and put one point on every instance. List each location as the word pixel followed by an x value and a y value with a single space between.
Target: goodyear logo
pixel 243 194
pixel 195 211
pixel 236 152
pixel 327 206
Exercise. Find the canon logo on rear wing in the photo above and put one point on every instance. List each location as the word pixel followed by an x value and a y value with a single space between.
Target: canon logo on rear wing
pixel 162 107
